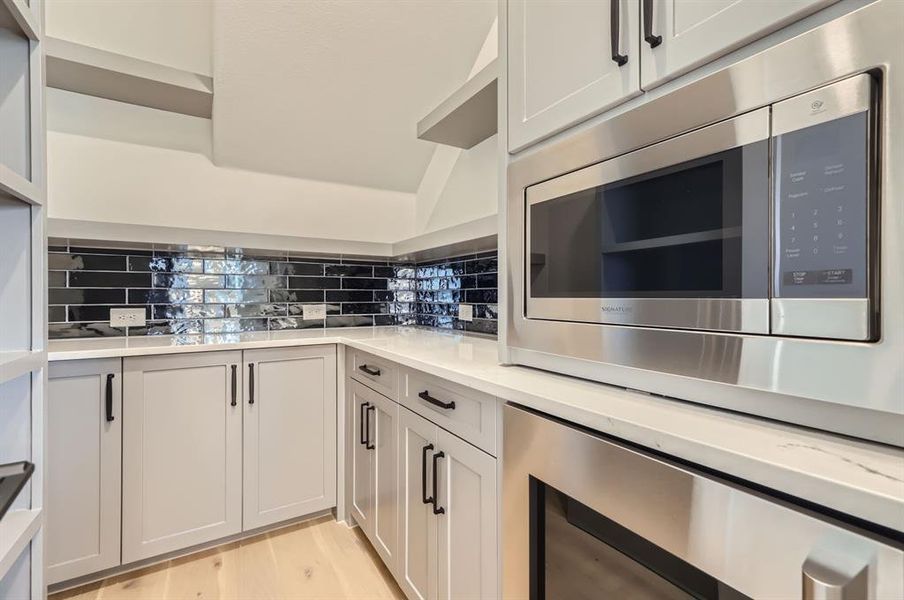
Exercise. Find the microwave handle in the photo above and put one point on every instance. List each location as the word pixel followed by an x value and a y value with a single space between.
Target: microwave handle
pixel 615 32
pixel 821 582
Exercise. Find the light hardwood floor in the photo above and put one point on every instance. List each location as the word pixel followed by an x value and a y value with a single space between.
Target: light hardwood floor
pixel 316 559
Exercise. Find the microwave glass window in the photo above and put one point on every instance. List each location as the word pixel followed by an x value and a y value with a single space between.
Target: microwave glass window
pixel 821 210
pixel 676 232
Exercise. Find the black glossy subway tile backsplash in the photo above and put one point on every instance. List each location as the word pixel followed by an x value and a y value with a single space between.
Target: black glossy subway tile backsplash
pixel 231 291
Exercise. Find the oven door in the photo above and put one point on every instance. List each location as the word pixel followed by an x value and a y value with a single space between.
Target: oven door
pixel 586 517
pixel 673 235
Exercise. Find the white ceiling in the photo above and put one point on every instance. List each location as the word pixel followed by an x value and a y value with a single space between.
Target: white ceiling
pixel 332 89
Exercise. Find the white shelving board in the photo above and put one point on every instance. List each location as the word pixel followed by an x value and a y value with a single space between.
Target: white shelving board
pixel 14 364
pixel 468 116
pixel 15 14
pixel 94 72
pixel 17 529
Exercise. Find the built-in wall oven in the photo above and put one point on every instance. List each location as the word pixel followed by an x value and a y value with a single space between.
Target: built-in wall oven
pixel 741 233
pixel 588 517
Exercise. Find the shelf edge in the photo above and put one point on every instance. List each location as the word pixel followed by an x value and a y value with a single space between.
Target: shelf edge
pixel 17 528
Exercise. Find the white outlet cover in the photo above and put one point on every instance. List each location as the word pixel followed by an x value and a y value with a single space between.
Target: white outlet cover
pixel 465 312
pixel 127 317
pixel 311 312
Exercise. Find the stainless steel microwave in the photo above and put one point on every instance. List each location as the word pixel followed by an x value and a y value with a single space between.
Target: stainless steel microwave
pixel 733 241
pixel 758 224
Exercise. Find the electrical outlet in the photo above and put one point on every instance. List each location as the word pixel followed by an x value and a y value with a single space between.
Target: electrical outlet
pixel 127 317
pixel 311 312
pixel 465 312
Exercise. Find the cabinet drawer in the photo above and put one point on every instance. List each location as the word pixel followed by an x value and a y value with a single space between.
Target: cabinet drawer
pixel 469 414
pixel 374 372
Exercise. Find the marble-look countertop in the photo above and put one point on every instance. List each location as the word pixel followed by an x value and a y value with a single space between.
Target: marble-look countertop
pixel 858 478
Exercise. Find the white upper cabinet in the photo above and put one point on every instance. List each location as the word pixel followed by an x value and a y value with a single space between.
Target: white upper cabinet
pixel 290 433
pixel 84 437
pixel 182 452
pixel 568 60
pixel 680 35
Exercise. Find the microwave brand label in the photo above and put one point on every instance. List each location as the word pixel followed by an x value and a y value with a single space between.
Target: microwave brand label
pixel 614 308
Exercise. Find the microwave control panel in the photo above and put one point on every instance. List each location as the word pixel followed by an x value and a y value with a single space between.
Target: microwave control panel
pixel 821 177
pixel 821 217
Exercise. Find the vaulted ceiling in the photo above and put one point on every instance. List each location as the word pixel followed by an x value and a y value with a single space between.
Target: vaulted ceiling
pixel 332 90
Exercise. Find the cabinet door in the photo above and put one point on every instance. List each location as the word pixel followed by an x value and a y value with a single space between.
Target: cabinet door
pixel 290 433
pixel 417 543
pixel 84 437
pixel 694 32
pixel 561 69
pixel 466 539
pixel 384 442
pixel 182 452
pixel 359 400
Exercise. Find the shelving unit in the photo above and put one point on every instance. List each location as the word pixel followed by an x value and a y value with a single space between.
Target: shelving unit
pixel 94 72
pixel 468 116
pixel 23 322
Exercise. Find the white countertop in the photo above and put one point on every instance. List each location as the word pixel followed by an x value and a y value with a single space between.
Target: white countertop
pixel 857 478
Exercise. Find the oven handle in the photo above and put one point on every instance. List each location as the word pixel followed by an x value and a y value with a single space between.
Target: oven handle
pixel 615 32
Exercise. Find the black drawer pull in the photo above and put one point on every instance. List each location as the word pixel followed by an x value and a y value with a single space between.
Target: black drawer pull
pixel 108 400
pixel 361 439
pixel 437 510
pixel 235 369
pixel 250 383
pixel 652 40
pixel 425 395
pixel 367 412
pixel 424 498
pixel 615 32
pixel 369 371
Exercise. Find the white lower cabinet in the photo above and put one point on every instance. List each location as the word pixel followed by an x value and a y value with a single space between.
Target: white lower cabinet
pixel 84 437
pixel 289 433
pixel 447 514
pixel 375 479
pixel 182 452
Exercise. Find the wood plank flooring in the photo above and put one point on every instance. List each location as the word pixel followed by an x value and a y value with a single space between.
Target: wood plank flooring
pixel 318 559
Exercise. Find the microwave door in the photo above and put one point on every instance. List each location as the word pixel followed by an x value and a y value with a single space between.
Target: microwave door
pixel 675 235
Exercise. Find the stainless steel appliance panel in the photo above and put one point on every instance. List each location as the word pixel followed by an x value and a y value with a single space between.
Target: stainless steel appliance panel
pixel 712 525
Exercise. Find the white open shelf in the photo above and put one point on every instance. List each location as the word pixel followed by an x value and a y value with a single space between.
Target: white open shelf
pixel 17 363
pixel 17 528
pixel 468 116
pixel 13 184
pixel 15 14
pixel 94 72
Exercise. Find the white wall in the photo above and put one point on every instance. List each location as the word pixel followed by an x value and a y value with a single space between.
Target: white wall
pixel 177 33
pixel 117 163
pixel 458 185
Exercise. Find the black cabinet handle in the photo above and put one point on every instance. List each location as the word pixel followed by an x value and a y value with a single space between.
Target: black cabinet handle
pixel 367 412
pixel 235 369
pixel 369 371
pixel 361 439
pixel 652 40
pixel 437 510
pixel 250 383
pixel 615 32
pixel 425 395
pixel 424 497
pixel 108 401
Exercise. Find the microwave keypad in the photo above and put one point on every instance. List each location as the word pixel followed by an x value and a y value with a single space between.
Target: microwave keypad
pixel 821 216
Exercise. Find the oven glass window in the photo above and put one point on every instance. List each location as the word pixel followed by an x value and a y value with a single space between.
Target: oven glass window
pixel 579 554
pixel 698 229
